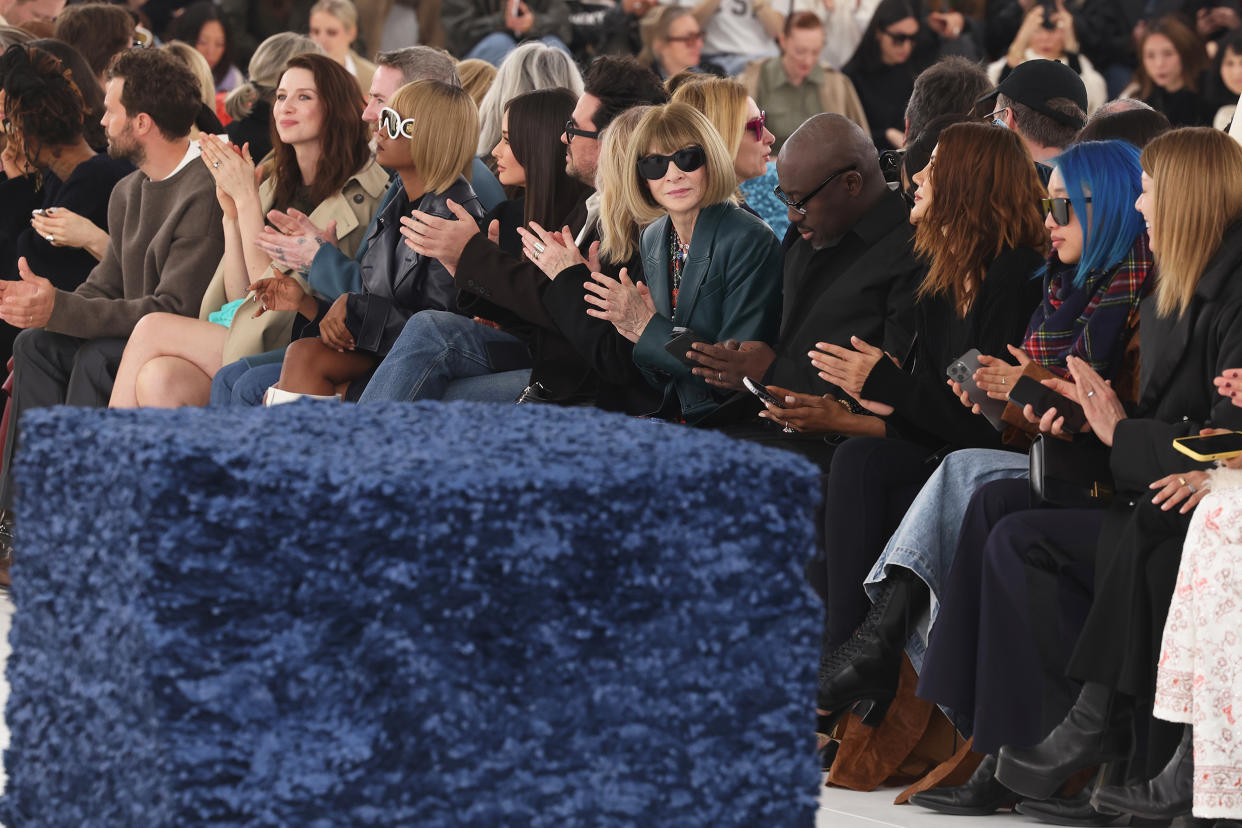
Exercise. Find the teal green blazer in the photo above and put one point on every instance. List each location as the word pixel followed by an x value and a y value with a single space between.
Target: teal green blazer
pixel 730 289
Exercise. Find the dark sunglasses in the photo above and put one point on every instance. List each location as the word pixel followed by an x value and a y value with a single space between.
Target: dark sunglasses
pixel 1060 209
pixel 571 131
pixel 653 167
pixel 900 39
pixel 697 37
pixel 800 206
pixel 757 124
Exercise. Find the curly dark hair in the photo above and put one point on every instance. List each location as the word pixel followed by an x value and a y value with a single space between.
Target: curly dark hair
pixel 621 82
pixel 161 86
pixel 43 106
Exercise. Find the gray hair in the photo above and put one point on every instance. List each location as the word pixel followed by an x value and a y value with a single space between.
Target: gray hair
pixel 265 69
pixel 529 67
pixel 421 63
pixel 1119 105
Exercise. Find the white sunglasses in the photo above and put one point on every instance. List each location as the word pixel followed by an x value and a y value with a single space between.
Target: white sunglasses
pixel 390 121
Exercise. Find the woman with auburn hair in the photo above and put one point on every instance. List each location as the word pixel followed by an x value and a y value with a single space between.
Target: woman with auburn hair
pixel 1172 59
pixel 1122 557
pixel 709 266
pixel 320 164
pixel 737 118
pixel 978 225
pixel 341 342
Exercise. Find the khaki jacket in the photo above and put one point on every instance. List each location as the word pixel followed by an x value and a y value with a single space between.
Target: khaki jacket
pixel 351 209
pixel 836 92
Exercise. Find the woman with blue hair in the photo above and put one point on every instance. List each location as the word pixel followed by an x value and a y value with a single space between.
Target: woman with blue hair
pixel 1097 273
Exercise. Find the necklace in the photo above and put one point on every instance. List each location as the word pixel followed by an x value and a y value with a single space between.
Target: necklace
pixel 677 252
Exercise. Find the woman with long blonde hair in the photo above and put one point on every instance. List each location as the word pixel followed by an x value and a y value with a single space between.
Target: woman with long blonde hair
pixel 737 118
pixel 1192 333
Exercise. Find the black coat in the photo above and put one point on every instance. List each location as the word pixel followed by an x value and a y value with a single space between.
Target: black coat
pixel 926 410
pixel 397 282
pixel 1180 356
pixel 498 285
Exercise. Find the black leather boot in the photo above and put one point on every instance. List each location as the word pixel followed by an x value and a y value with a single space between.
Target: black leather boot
pixel 1166 796
pixel 862 674
pixel 1073 810
pixel 980 796
pixel 1098 730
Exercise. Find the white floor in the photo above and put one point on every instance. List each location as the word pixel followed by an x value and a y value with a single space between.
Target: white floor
pixel 841 808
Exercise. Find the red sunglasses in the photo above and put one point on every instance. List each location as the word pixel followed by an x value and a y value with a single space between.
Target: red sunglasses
pixel 757 124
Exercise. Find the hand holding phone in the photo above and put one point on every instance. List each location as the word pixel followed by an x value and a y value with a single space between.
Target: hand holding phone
pixel 680 344
pixel 762 392
pixel 1027 391
pixel 962 371
pixel 1209 447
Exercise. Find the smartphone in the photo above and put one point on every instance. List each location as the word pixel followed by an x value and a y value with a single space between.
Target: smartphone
pixel 1050 8
pixel 39 212
pixel 1027 391
pixel 1210 447
pixel 682 339
pixel 761 392
pixel 962 371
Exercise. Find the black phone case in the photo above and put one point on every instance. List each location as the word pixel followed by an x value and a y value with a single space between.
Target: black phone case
pixel 1027 391
pixel 679 344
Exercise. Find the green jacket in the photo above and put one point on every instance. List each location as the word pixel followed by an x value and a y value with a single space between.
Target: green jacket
pixel 730 289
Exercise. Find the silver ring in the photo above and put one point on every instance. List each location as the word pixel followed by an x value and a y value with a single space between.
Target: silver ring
pixel 215 165
pixel 1090 394
pixel 787 429
pixel 1190 487
pixel 1004 380
pixel 50 238
pixel 539 248
pixel 720 376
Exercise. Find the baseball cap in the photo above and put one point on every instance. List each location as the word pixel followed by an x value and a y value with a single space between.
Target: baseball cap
pixel 1036 82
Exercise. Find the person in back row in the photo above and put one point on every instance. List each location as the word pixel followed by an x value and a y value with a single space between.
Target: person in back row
pixel 165 239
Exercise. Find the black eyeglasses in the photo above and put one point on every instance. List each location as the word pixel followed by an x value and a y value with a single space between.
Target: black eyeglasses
pixel 900 39
pixel 571 131
pixel 800 206
pixel 1060 209
pixel 653 167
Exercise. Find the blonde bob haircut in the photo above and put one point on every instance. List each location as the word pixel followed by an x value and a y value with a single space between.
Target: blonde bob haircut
pixel 723 101
pixel 618 238
pixel 666 129
pixel 1197 175
pixel 446 130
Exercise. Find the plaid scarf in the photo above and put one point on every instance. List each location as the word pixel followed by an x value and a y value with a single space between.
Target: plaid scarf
pixel 1089 322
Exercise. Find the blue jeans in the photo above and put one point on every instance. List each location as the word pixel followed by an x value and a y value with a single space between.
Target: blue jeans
pixel 243 382
pixel 435 348
pixel 927 538
pixel 496 47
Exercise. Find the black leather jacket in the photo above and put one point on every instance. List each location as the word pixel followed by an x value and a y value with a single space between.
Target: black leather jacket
pixel 397 282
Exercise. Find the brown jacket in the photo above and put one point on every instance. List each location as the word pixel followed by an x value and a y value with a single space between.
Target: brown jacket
pixel 165 238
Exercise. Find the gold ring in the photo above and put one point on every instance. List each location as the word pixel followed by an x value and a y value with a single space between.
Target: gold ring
pixel 1181 480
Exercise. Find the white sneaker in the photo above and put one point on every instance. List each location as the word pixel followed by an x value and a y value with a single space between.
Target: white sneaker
pixel 277 396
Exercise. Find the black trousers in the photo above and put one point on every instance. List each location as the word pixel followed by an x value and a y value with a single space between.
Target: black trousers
pixel 1136 571
pixel 1012 608
pixel 871 484
pixel 55 369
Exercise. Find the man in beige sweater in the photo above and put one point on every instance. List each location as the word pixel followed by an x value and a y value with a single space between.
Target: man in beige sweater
pixel 165 240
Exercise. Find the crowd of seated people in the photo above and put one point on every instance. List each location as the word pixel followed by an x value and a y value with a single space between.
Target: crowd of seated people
pixel 981 263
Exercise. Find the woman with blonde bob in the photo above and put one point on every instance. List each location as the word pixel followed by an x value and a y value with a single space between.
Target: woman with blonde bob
pixel 322 166
pixel 341 342
pixel 1192 203
pixel 737 118
pixel 709 266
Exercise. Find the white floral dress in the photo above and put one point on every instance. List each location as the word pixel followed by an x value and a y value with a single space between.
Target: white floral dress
pixel 1199 680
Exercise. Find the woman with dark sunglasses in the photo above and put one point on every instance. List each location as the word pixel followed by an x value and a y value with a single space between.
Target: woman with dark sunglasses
pixel 884 67
pixel 711 271
pixel 740 123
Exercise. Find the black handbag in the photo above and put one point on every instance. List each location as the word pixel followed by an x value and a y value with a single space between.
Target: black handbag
pixel 1072 475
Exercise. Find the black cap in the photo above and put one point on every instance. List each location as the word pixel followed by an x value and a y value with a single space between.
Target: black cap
pixel 1036 82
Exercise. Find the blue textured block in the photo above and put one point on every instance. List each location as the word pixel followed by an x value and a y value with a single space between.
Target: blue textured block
pixel 325 615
